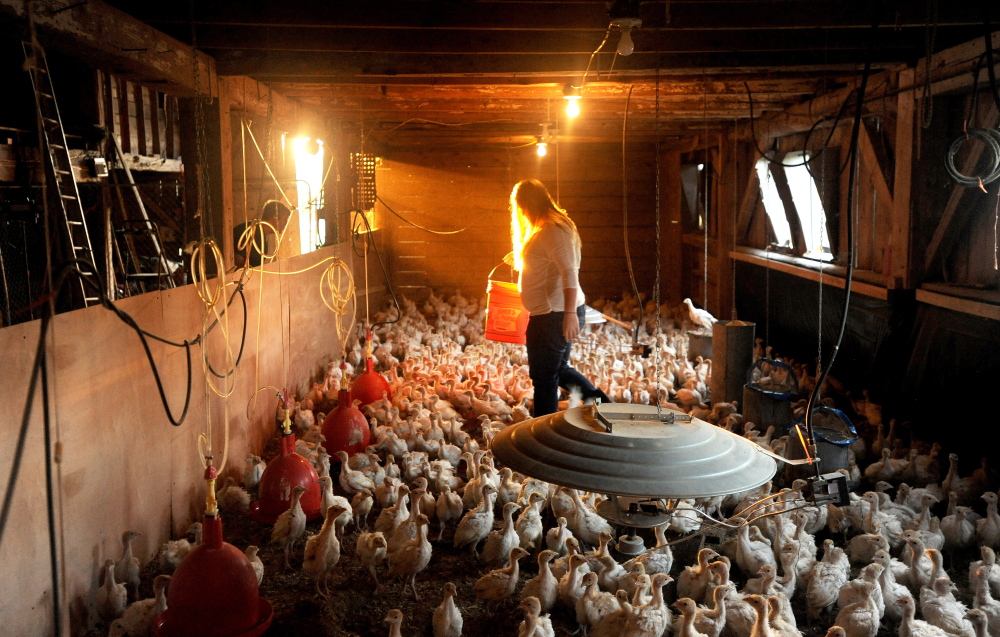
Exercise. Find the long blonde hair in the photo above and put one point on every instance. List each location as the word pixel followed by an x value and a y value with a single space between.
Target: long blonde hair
pixel 531 207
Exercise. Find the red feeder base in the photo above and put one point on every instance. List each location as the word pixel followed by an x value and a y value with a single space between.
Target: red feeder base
pixel 346 428
pixel 368 386
pixel 214 593
pixel 283 474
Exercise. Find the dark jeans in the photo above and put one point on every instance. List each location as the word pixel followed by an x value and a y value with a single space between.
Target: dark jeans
pixel 548 363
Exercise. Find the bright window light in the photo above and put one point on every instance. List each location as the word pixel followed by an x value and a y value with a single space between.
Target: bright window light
pixel 809 207
pixel 773 206
pixel 309 184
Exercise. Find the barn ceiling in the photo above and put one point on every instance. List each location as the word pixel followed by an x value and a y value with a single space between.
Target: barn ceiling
pixel 495 69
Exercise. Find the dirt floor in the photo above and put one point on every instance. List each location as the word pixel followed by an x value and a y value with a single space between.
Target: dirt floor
pixel 353 609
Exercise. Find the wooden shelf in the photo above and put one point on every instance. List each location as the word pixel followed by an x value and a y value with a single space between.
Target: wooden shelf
pixel 867 283
pixel 947 296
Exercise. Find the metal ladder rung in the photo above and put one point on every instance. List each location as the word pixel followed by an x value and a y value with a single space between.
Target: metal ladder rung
pixel 49 120
pixel 75 223
pixel 48 95
pixel 59 146
pixel 92 298
pixel 59 171
pixel 68 197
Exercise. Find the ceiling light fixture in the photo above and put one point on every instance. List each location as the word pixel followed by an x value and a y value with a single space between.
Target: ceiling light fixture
pixel 625 44
pixel 542 145
pixel 572 95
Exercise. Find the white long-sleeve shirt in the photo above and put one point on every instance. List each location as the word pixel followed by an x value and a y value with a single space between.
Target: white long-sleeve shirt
pixel 551 264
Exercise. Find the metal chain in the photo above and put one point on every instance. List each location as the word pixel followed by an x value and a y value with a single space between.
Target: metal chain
pixel 656 285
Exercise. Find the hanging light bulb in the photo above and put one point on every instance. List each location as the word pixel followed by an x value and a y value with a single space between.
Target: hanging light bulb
pixel 625 44
pixel 572 96
pixel 542 145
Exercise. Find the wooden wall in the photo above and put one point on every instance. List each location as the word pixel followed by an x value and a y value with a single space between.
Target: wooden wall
pixel 447 190
pixel 123 465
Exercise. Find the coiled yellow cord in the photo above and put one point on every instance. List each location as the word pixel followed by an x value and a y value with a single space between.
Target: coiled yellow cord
pixel 337 294
pixel 210 296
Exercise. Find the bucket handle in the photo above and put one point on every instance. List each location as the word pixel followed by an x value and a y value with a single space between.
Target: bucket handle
pixel 490 276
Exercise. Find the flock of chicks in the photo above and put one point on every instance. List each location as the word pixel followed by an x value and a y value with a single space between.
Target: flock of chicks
pixel 427 467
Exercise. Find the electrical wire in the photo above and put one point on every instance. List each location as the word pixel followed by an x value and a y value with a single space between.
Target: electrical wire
pixel 431 230
pixel 805 161
pixel 431 121
pixel 583 80
pixel 385 273
pixel 988 44
pixel 849 275
pixel 628 255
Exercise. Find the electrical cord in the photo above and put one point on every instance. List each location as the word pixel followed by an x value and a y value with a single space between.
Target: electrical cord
pixel 628 255
pixel 990 137
pixel 988 43
pixel 804 162
pixel 419 227
pixel 385 273
pixel 849 276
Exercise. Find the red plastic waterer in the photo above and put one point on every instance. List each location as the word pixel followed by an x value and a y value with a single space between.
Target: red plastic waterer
pixel 346 428
pixel 214 592
pixel 282 475
pixel 369 385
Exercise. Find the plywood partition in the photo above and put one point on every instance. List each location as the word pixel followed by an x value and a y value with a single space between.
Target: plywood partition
pixel 123 466
pixel 448 190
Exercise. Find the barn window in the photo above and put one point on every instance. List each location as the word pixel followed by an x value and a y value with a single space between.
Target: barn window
pixel 808 206
pixel 773 205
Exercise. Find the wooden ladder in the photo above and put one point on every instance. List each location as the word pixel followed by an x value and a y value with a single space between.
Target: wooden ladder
pixel 63 183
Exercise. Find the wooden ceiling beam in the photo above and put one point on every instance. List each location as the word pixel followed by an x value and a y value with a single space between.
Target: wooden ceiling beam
pixel 430 41
pixel 530 16
pixel 819 75
pixel 537 108
pixel 309 66
pixel 115 41
pixel 792 88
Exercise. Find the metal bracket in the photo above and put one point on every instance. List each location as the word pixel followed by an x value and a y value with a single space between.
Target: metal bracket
pixel 667 418
pixel 831 488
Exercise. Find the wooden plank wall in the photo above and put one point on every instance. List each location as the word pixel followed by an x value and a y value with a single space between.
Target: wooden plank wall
pixel 123 465
pixel 446 190
pixel 146 120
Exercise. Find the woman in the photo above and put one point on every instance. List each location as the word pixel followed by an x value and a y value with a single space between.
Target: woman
pixel 547 255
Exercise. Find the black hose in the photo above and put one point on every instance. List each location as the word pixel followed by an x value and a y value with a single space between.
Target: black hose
pixel 852 179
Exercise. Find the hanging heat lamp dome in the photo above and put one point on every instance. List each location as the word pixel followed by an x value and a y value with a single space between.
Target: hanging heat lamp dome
pixel 282 475
pixel 369 385
pixel 214 591
pixel 635 454
pixel 346 428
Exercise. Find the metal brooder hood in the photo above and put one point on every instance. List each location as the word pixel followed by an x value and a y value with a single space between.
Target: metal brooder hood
pixel 634 450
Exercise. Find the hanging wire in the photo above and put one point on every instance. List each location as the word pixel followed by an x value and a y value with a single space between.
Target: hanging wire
pixel 628 255
pixel 705 206
pixel 930 34
pixel 431 230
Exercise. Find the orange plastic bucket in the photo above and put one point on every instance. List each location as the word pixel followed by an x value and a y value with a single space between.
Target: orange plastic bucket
pixel 506 318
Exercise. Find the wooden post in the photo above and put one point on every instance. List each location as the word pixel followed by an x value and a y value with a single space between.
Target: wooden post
pixel 671 246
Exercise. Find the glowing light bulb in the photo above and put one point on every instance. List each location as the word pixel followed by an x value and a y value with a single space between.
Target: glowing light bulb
pixel 625 44
pixel 572 108
pixel 542 149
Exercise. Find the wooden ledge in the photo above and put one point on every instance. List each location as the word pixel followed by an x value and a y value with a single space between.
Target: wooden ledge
pixel 865 282
pixel 966 305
